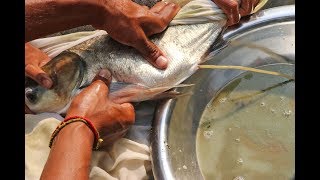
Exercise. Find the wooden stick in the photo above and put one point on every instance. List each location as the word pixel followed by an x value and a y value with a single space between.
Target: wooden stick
pixel 245 69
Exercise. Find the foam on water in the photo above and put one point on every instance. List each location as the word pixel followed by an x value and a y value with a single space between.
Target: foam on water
pixel 253 129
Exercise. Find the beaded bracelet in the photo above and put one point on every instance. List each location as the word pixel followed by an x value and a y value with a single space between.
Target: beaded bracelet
pixel 97 139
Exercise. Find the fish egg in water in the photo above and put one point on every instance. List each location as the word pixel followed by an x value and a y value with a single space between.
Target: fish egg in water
pixel 239 161
pixel 222 100
pixel 287 113
pixel 208 134
pixel 272 110
pixel 239 178
pixel 250 142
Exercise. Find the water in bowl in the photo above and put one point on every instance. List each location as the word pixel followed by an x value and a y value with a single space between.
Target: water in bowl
pixel 247 131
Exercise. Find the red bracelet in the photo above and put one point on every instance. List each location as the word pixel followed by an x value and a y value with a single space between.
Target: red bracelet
pixel 97 139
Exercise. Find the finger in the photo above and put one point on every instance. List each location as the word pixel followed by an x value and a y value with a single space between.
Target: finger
pixel 37 74
pixel 158 6
pixel 145 7
pixel 129 114
pixel 36 55
pixel 233 17
pixel 256 2
pixel 104 75
pixel 169 12
pixel 99 88
pixel 246 7
pixel 160 18
pixel 231 9
pixel 151 52
pixel 44 61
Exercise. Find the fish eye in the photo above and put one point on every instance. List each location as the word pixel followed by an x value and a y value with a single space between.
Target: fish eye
pixel 31 95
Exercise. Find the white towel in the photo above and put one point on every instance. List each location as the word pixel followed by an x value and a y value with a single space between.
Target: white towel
pixel 125 160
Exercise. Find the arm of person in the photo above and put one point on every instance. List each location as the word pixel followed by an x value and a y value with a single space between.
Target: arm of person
pixel 50 16
pixel 70 154
pixel 124 20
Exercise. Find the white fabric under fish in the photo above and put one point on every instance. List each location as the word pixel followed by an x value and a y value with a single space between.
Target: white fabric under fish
pixel 126 159
pixel 53 46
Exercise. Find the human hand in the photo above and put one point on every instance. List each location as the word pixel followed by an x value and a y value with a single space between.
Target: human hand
pixel 234 10
pixel 34 60
pixel 131 24
pixel 108 118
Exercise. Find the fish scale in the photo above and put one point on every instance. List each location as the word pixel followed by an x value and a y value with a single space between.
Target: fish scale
pixel 184 45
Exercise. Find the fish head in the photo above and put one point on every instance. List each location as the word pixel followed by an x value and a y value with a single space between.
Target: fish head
pixel 66 71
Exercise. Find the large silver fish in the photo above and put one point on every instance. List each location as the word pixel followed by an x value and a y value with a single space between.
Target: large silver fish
pixel 134 79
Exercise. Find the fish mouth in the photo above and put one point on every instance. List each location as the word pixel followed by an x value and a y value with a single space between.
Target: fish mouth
pixel 67 72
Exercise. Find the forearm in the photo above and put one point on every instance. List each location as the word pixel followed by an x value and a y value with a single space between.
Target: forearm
pixel 70 155
pixel 44 17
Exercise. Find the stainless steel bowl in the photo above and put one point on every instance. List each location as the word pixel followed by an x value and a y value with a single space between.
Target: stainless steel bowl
pixel 173 138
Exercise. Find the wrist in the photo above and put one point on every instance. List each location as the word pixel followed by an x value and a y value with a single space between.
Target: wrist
pixel 74 119
pixel 71 152
pixel 95 122
pixel 73 131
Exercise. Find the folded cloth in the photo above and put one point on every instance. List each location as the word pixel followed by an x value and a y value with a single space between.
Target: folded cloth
pixel 126 159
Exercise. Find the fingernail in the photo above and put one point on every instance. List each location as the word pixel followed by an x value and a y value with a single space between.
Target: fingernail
pixel 162 62
pixel 46 82
pixel 105 73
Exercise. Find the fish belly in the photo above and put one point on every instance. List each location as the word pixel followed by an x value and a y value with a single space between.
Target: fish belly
pixel 184 45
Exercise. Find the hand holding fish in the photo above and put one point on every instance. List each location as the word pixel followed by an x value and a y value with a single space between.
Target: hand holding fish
pixel 131 24
pixel 34 59
pixel 93 103
pixel 235 10
pixel 127 22
pixel 71 150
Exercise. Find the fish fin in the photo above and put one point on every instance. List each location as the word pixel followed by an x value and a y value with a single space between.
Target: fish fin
pixel 116 86
pixel 125 92
pixel 170 95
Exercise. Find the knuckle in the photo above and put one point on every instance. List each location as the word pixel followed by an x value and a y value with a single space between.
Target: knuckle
pixel 101 87
pixel 152 50
pixel 233 5
pixel 129 115
pixel 76 102
pixel 29 68
pixel 162 24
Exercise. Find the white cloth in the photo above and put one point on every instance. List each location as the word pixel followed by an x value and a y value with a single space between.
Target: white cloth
pixel 125 160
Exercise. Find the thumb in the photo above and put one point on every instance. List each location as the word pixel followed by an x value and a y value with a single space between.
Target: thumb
pixel 105 76
pixel 37 74
pixel 151 52
pixel 128 113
